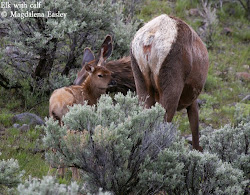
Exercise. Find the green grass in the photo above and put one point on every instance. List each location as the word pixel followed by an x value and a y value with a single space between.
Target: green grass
pixel 22 146
pixel 181 6
pixel 153 8
pixel 234 11
pixel 26 147
pixel 222 84
pixel 5 118
pixel 12 101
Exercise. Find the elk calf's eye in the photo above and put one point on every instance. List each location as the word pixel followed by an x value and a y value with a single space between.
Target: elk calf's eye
pixel 99 75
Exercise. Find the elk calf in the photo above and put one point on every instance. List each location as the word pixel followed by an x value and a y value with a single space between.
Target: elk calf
pixel 90 90
pixel 170 65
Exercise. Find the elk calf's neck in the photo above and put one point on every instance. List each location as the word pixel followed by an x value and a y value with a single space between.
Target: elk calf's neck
pixel 170 64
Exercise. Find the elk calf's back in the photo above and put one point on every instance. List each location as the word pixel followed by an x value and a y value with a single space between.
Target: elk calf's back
pixel 170 65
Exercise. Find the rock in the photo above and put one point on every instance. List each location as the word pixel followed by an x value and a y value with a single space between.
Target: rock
pixel 227 31
pixel 189 139
pixel 230 69
pixel 218 73
pixel 27 118
pixel 2 130
pixel 246 66
pixel 194 12
pixel 245 76
pixel 201 102
pixel 247 98
pixel 24 128
pixel 16 125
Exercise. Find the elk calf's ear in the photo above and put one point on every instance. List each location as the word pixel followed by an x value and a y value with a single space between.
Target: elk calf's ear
pixel 106 48
pixel 88 56
pixel 89 68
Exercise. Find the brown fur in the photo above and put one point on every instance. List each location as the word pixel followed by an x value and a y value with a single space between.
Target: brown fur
pixel 180 80
pixel 121 75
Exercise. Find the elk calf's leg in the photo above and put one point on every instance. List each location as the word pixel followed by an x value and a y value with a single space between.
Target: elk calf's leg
pixel 193 117
pixel 61 171
pixel 75 173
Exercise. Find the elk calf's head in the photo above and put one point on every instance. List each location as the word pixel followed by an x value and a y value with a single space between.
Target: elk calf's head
pixel 170 65
pixel 89 58
pixel 99 78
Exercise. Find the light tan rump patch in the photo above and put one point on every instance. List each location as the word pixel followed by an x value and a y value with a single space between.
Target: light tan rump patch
pixel 153 42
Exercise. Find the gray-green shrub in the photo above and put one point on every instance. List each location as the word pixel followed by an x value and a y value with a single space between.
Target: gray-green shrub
pixel 46 186
pixel 10 174
pixel 178 170
pixel 230 144
pixel 127 149
pixel 119 137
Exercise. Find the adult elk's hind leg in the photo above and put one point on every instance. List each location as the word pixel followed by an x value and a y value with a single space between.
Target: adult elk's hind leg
pixel 170 102
pixel 171 88
pixel 141 88
pixel 193 117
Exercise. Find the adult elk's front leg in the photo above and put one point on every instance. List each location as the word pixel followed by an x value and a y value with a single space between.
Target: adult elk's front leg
pixel 193 117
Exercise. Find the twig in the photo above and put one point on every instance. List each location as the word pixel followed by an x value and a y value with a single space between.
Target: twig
pixel 36 105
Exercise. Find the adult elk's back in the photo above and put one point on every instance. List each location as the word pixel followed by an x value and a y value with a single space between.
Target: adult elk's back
pixel 121 75
pixel 170 65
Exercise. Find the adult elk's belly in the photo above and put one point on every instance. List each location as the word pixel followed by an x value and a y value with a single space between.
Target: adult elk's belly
pixel 152 44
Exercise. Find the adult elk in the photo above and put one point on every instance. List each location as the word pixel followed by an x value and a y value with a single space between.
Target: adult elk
pixel 90 90
pixel 121 75
pixel 170 65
